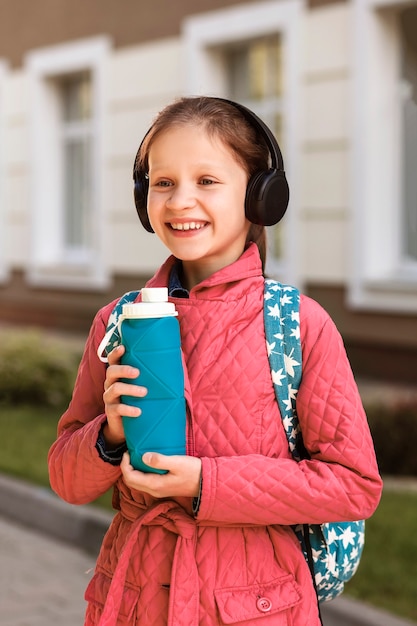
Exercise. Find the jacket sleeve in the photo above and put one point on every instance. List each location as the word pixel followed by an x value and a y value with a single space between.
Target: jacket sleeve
pixel 340 482
pixel 76 471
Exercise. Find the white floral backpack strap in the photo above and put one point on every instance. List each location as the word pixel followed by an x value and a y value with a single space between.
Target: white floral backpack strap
pixel 332 550
pixel 111 338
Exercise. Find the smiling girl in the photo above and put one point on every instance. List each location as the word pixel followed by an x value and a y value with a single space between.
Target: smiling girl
pixel 211 541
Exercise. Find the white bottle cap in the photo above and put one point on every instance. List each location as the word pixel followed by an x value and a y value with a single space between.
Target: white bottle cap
pixel 154 294
pixel 154 304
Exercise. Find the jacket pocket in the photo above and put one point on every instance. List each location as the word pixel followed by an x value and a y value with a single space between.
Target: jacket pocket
pixel 262 600
pixel 96 594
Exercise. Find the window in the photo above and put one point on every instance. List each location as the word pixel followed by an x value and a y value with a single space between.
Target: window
pixel 249 54
pixel 67 104
pixel 254 75
pixel 384 199
pixel 77 137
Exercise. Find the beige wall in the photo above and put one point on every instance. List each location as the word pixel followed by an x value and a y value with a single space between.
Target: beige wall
pixel 324 203
pixel 16 180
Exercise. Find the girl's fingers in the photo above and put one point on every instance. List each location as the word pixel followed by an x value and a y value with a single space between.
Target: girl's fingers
pixel 116 372
pixel 115 355
pixel 114 411
pixel 117 389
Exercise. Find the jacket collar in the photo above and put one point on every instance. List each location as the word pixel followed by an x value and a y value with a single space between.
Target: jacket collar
pixel 247 266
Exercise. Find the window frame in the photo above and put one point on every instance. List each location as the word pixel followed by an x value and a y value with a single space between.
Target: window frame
pixel 379 277
pixel 50 265
pixel 204 33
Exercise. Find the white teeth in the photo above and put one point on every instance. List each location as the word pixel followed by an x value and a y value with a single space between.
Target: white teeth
pixel 186 226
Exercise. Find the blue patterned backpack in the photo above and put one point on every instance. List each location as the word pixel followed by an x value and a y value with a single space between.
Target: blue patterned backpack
pixel 332 550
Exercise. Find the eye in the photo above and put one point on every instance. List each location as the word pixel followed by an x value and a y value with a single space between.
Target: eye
pixel 207 181
pixel 163 183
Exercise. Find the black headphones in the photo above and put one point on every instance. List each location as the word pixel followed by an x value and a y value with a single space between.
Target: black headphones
pixel 267 193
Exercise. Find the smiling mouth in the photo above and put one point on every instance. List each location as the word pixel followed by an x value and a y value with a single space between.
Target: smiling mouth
pixel 187 225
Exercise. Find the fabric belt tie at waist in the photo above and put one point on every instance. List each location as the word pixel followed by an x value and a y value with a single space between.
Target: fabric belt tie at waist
pixel 184 587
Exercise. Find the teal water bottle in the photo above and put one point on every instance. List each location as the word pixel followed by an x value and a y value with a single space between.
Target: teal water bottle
pixel 150 333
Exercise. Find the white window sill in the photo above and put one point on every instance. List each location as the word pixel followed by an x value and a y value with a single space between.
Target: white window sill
pixel 390 295
pixel 71 277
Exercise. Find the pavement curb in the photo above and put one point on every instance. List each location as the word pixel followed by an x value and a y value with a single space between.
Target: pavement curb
pixel 85 526
pixel 40 509
pixel 345 611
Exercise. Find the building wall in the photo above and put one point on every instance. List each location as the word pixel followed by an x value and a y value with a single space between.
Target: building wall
pixel 144 69
pixel 324 203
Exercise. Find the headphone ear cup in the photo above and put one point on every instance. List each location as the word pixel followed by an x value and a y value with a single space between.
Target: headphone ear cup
pixel 267 197
pixel 140 193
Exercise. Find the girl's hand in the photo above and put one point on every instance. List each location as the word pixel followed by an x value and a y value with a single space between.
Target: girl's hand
pixel 113 389
pixel 182 479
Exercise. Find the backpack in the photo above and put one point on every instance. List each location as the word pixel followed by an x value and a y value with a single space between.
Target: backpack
pixel 332 550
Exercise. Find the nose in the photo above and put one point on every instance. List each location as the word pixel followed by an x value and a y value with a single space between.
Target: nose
pixel 181 197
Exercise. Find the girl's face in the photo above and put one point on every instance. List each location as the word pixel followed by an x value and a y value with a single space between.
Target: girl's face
pixel 196 200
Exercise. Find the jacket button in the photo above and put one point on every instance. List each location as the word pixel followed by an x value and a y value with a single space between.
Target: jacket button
pixel 264 604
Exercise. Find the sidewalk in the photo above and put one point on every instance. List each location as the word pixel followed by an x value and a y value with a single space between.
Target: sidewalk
pixel 48 551
pixel 42 580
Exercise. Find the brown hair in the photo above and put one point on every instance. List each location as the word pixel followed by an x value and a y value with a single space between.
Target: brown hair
pixel 223 120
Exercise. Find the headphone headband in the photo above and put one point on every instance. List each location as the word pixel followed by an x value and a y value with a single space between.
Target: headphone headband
pixel 277 162
pixel 267 193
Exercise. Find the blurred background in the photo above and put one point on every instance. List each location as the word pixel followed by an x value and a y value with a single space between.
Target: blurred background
pixel 80 83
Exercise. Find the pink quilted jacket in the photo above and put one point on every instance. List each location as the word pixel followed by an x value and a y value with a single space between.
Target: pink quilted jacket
pixel 238 562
